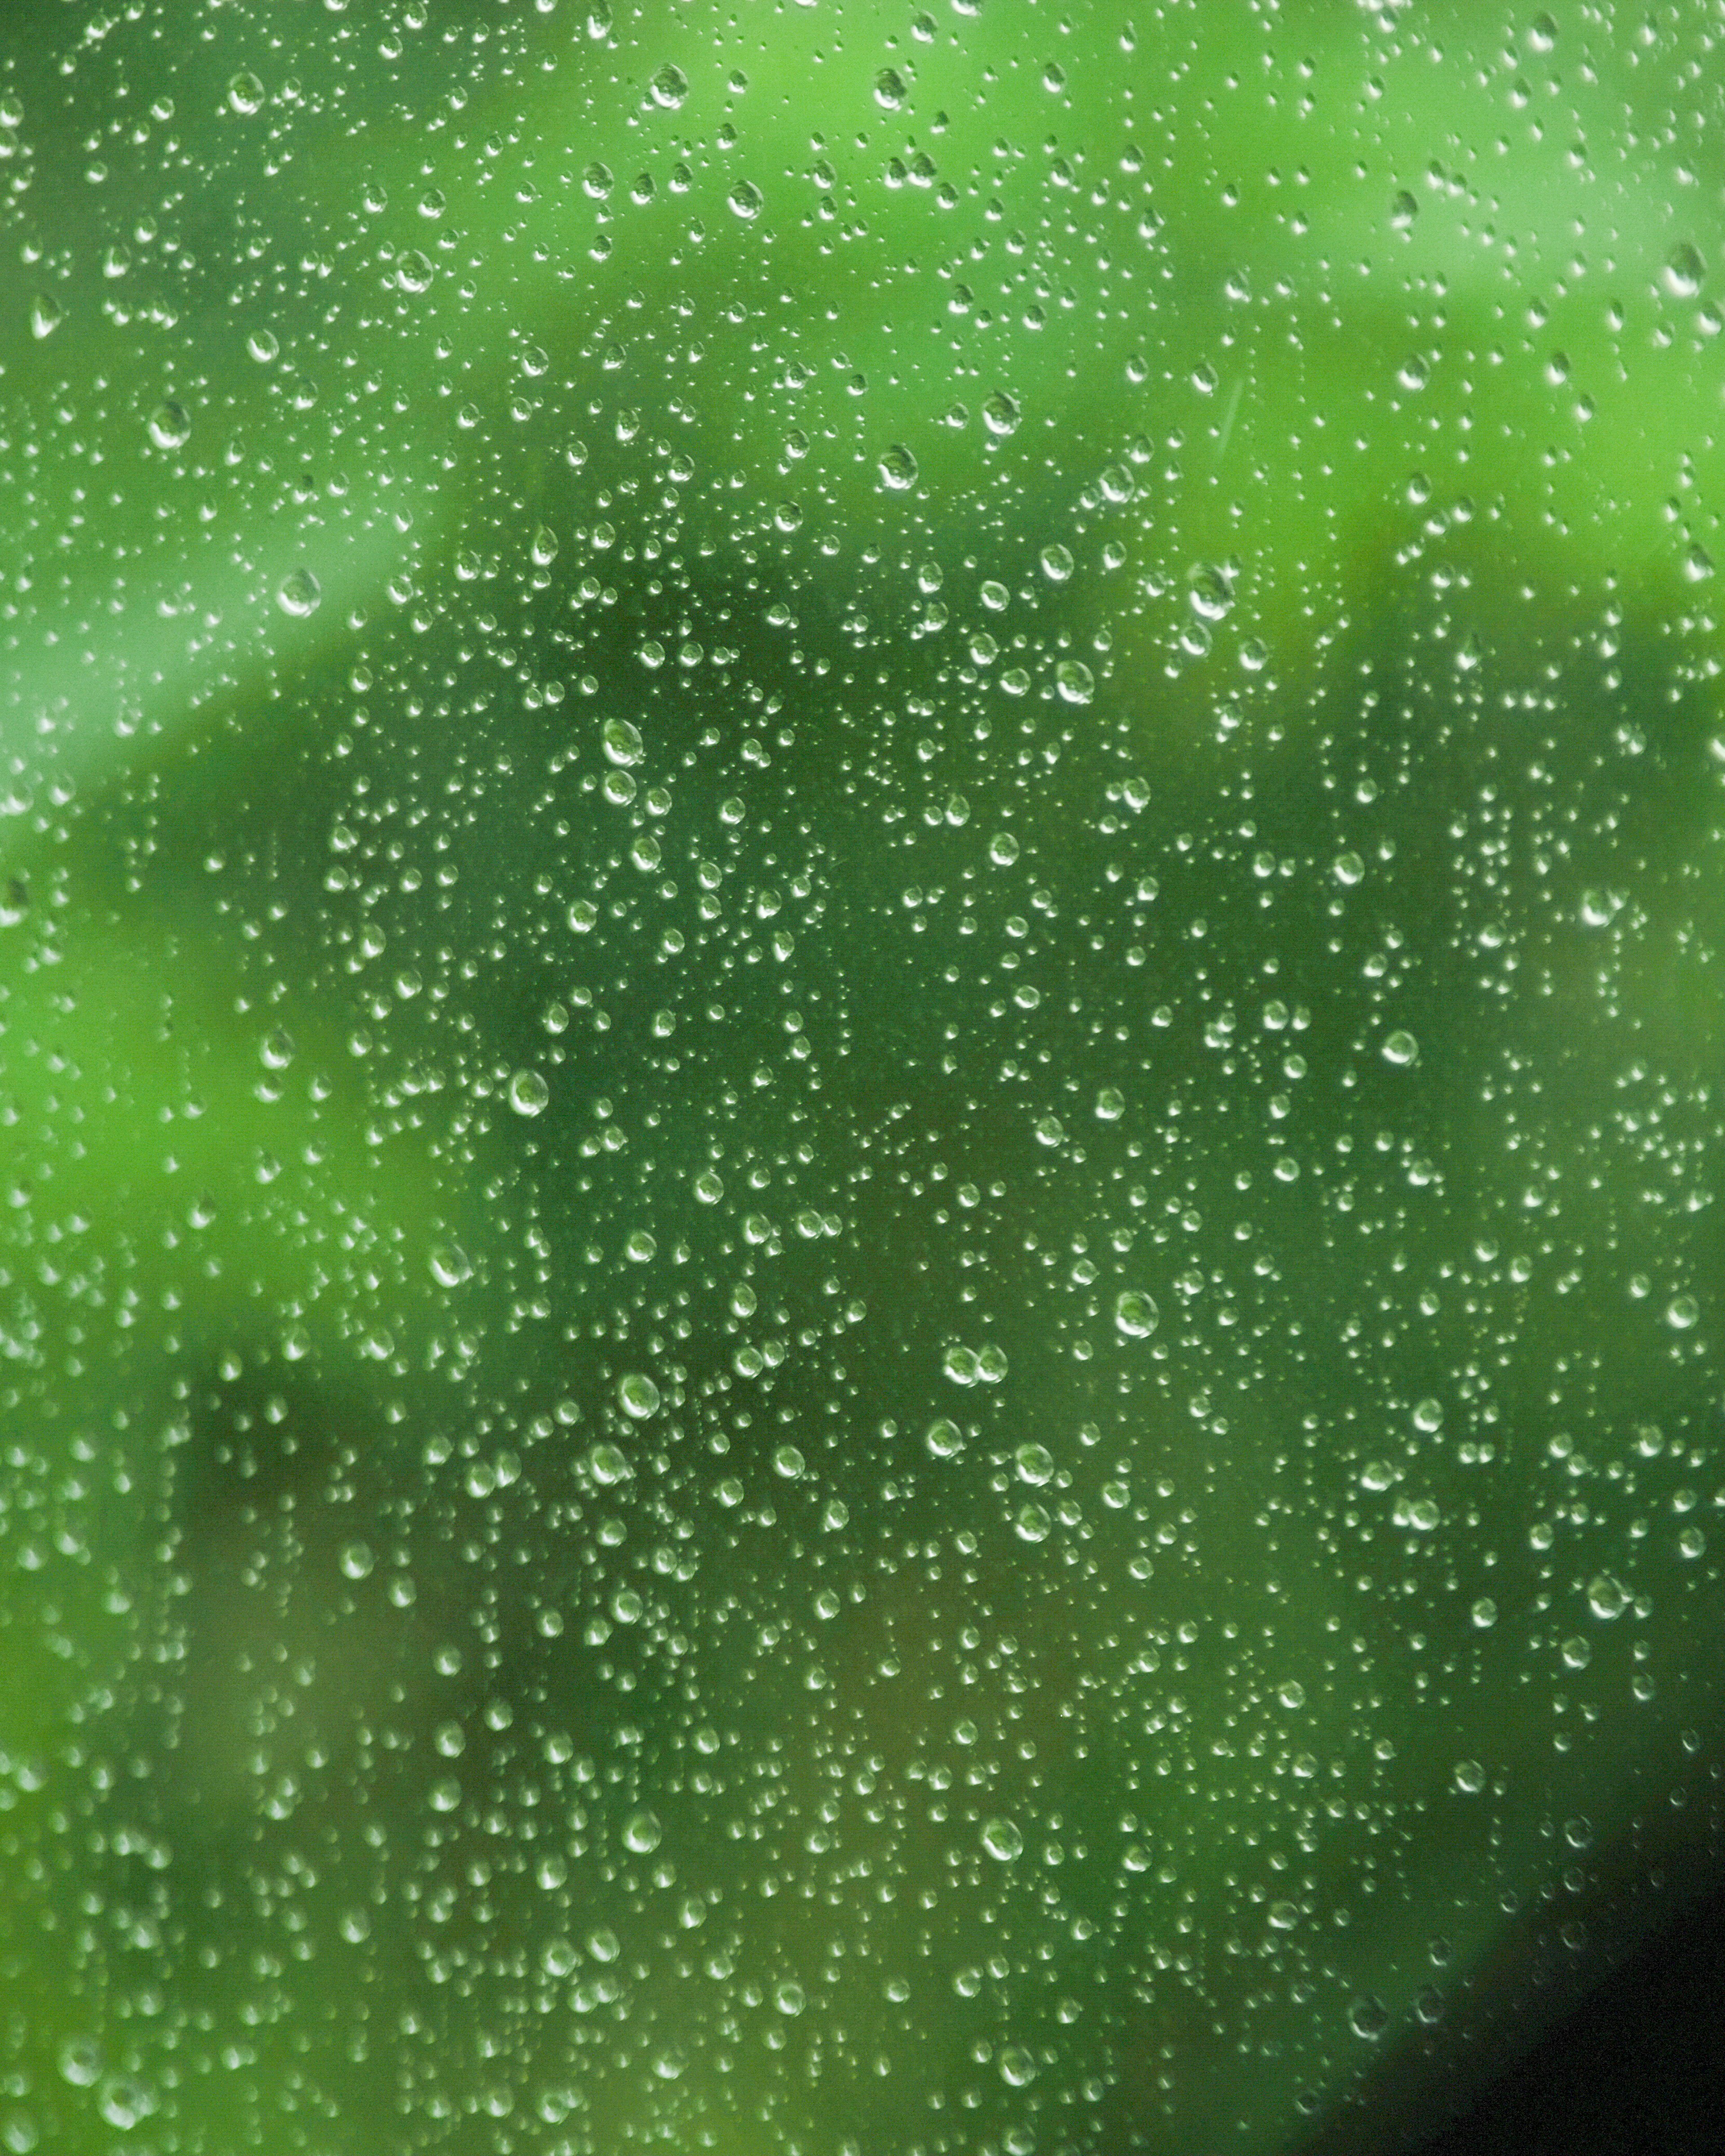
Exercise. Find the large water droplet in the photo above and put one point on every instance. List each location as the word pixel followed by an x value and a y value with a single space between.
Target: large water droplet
pixel 1003 1840
pixel 637 1396
pixel 528 1093
pixel 299 593
pixel 898 469
pixel 170 426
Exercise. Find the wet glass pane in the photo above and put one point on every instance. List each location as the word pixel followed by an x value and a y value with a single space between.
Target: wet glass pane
pixel 860 1051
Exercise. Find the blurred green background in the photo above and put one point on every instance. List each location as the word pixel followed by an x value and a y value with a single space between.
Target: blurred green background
pixel 860 1039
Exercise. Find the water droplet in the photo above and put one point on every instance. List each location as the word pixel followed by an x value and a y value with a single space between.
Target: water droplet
pixel 80 2061
pixel 1075 681
pixel 299 593
pixel 1136 1316
pixel 1606 1597
pixel 1035 1463
pixel 789 1998
pixel 544 546
pixel 1032 1524
pixel 245 94
pixel 1348 867
pixel 747 201
pixel 898 469
pixel 1003 849
pixel 642 1834
pixel 961 1366
pixel 1470 1777
pixel 1683 271
pixel 609 1465
pixel 1057 563
pixel 1003 1840
pixel 669 87
pixel 357 1559
pixel 1016 2066
pixel 603 1944
pixel 1484 1613
pixel 1368 2017
pixel 944 1439
pixel 709 1188
pixel 1292 1694
pixel 1283 1916
pixel 1403 211
pixel 528 1093
pixel 1001 414
pixel 414 271
pixel 451 1265
pixel 1681 1312
pixel 46 315
pixel 637 1396
pixel 170 426
pixel 1577 1653
pixel 891 89
pixel 1400 1049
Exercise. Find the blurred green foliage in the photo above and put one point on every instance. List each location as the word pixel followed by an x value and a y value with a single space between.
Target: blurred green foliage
pixel 859 1035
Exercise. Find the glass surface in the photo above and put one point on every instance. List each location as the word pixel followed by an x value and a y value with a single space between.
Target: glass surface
pixel 860 1045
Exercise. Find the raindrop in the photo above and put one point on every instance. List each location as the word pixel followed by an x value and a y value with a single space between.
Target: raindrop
pixel 1470 1777
pixel 1606 1597
pixel 608 1464
pixel 299 593
pixel 414 271
pixel 898 469
pixel 637 1396
pixel 170 426
pixel 1057 563
pixel 357 1560
pixel 621 741
pixel 1035 1463
pixel 1400 1049
pixel 747 201
pixel 643 1833
pixel 669 87
pixel 1683 272
pixel 528 1093
pixel 1136 1316
pixel 1368 2017
pixel 944 1439
pixel 1003 1840
pixel 245 94
pixel 1075 681
pixel 1403 211
pixel 891 89
pixel 1001 414
pixel 451 1265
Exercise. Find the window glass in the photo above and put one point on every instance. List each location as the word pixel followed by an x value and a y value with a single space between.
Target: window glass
pixel 859 1052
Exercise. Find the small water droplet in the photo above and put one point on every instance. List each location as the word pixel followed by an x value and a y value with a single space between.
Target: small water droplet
pixel 1057 563
pixel 898 469
pixel 1401 1047
pixel 944 1439
pixel 747 201
pixel 1606 1597
pixel 414 271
